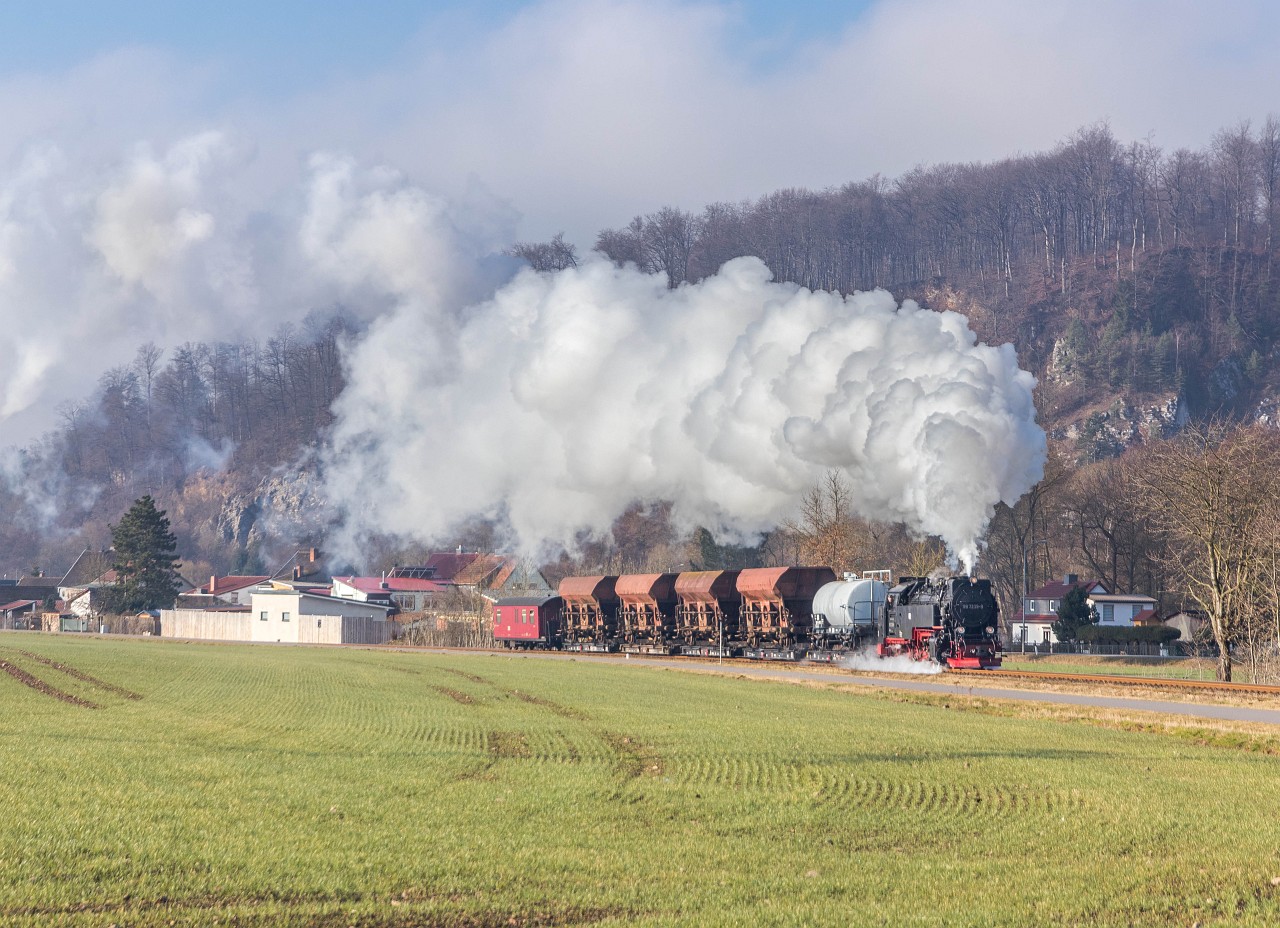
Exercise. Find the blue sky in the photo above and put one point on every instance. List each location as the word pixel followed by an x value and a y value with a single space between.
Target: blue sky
pixel 267 48
pixel 186 171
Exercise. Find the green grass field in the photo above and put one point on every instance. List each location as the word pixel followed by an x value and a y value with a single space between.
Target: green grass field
pixel 277 785
pixel 1159 668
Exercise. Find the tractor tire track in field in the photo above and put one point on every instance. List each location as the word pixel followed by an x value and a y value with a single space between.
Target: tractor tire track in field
pixel 633 759
pixel 325 909
pixel 40 686
pixel 456 695
pixel 82 676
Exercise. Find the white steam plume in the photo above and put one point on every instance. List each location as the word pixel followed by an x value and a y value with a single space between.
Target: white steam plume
pixel 867 659
pixel 567 396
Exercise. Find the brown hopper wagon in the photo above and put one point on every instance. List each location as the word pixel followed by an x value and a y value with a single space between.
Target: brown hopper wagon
pixel 589 614
pixel 708 609
pixel 777 604
pixel 647 610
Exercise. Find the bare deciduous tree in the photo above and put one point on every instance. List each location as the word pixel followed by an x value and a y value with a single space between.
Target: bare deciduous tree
pixel 1208 492
pixel 555 255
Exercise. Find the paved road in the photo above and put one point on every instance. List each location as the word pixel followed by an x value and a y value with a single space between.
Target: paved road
pixel 939 684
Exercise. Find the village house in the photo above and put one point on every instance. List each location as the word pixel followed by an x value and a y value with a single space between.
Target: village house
pixel 234 590
pixel 1034 624
pixel 20 614
pixel 406 593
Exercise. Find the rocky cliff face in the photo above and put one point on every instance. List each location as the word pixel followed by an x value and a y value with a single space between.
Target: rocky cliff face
pixel 1102 433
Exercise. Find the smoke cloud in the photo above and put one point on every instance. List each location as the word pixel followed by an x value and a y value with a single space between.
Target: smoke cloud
pixel 868 660
pixel 565 397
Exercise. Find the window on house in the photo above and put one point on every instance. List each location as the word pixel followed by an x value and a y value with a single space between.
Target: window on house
pixel 1108 612
pixel 262 616
pixel 1046 636
pixel 284 617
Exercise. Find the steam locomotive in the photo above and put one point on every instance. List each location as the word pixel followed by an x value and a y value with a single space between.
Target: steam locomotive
pixel 778 613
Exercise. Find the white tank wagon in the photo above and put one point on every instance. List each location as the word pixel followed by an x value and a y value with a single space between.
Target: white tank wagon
pixel 848 612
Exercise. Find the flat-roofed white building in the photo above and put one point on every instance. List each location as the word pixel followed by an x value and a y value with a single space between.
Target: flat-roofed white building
pixel 286 616
pixel 309 618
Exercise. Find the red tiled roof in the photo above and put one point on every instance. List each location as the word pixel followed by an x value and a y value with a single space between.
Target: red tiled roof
pixel 1146 615
pixel 393 584
pixel 479 570
pixel 17 604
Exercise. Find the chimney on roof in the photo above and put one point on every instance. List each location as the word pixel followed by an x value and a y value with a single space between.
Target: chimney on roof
pixel 459 549
pixel 312 555
pixel 297 571
pixel 385 585
pixel 213 584
pixel 1071 579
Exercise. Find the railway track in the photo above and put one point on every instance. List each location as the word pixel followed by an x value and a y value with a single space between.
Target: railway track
pixel 1120 680
pixel 987 676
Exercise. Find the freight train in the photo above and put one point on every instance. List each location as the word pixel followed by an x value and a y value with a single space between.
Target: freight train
pixel 774 613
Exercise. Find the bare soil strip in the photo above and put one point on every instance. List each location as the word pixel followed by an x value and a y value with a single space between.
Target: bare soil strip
pixel 40 686
pixel 455 695
pixel 399 913
pixel 81 675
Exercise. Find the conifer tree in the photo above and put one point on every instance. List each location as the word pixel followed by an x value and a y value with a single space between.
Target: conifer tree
pixel 146 564
pixel 1074 613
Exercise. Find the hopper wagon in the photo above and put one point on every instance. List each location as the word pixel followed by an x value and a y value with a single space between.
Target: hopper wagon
pixel 777 609
pixel 647 612
pixel 708 612
pixel 589 613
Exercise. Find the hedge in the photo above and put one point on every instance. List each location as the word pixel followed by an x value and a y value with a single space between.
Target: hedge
pixel 1136 634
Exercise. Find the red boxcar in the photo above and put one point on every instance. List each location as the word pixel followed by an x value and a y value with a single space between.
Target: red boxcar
pixel 527 622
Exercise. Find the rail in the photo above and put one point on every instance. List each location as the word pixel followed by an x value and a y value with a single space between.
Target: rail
pixel 1164 683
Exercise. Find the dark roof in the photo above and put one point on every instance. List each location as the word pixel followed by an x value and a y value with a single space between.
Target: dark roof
pixel 1056 589
pixel 44 583
pixel 89 567
pixel 525 600
pixel 29 590
pixel 448 564
pixel 229 584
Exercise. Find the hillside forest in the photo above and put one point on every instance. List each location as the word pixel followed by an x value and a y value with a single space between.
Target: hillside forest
pixel 1138 285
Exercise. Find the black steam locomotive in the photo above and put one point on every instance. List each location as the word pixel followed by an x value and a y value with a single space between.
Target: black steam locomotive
pixel 953 620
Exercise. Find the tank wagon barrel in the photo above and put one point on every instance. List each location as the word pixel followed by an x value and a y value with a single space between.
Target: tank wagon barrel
pixel 848 612
pixel 647 611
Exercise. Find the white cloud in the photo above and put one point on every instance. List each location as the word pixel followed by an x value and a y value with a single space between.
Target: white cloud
pixel 139 203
